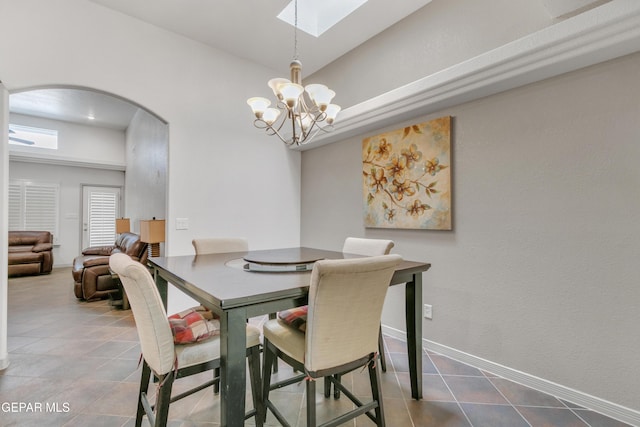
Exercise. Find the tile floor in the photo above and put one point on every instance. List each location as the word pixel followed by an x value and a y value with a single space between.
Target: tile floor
pixel 74 363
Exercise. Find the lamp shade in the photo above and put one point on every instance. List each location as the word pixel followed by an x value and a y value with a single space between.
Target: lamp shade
pixel 123 225
pixel 152 230
pixel 258 105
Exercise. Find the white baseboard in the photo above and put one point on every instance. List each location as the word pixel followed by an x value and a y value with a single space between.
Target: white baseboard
pixel 610 409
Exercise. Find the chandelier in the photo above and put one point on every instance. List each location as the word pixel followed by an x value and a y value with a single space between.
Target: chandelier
pixel 304 110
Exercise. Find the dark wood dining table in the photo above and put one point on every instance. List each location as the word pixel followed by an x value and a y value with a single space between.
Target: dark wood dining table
pixel 237 290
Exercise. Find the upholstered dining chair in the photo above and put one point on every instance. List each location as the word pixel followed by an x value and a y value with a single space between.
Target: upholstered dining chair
pixel 165 359
pixel 219 245
pixel 345 304
pixel 369 247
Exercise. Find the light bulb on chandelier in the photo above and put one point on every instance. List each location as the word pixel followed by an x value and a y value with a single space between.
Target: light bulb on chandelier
pixel 308 109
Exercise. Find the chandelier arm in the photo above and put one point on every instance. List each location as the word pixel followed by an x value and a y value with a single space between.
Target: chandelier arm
pixel 271 130
pixel 310 137
pixel 325 129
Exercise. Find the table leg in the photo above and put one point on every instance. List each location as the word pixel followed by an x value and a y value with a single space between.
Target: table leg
pixel 233 338
pixel 413 313
pixel 161 284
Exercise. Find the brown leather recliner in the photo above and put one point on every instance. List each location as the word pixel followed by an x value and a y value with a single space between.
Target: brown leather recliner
pixel 30 252
pixel 91 275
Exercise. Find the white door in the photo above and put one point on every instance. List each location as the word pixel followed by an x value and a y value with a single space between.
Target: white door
pixel 100 208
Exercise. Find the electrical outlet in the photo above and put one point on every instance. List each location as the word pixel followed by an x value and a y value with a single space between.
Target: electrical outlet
pixel 182 223
pixel 428 311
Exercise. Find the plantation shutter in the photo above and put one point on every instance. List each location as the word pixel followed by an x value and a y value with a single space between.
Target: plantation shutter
pixel 34 206
pixel 103 210
pixel 15 206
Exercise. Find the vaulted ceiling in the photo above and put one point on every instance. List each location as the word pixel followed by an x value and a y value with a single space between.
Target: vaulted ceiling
pixel 249 29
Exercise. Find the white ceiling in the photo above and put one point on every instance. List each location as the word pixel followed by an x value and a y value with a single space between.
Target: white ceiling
pixel 251 29
pixel 247 28
pixel 75 106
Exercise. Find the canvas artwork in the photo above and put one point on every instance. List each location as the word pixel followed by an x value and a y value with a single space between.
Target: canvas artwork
pixel 407 177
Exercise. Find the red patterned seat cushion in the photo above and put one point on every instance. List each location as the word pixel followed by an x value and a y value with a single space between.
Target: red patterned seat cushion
pixel 193 325
pixel 296 317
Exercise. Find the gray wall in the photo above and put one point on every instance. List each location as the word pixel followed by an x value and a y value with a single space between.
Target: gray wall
pixel 146 178
pixel 441 34
pixel 539 272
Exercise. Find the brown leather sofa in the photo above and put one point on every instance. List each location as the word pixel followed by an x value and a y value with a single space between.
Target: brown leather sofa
pixel 91 275
pixel 30 252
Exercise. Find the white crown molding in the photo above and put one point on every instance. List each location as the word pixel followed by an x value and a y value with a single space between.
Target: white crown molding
pixel 600 34
pixel 64 161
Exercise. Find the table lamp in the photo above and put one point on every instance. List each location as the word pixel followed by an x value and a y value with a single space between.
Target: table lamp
pixel 152 232
pixel 123 225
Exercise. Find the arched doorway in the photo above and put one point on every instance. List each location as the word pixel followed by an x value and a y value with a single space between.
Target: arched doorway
pixel 103 140
pixel 143 161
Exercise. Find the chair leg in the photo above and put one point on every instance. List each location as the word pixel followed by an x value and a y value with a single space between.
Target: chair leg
pixel 144 388
pixel 376 392
pixel 216 386
pixel 311 403
pixel 256 383
pixel 267 368
pixel 327 387
pixel 336 390
pixel 383 362
pixel 163 399
pixel 275 365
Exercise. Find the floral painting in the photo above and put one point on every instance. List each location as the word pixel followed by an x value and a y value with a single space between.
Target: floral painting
pixel 407 177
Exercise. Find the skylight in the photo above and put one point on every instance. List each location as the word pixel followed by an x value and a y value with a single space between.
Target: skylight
pixel 315 17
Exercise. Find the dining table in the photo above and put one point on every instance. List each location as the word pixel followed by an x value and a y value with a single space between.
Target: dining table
pixel 240 285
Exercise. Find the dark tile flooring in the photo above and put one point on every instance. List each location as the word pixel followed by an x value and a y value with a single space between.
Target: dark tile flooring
pixel 76 364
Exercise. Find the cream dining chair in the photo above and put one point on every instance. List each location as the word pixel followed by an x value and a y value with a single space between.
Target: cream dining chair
pixel 165 359
pixel 219 245
pixel 342 328
pixel 370 247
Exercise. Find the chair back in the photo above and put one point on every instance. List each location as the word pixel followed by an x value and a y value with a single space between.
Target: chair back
pixel 345 305
pixel 219 245
pixel 368 247
pixel 154 332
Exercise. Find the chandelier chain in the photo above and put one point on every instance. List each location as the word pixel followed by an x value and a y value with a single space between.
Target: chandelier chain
pixel 295 30
pixel 307 109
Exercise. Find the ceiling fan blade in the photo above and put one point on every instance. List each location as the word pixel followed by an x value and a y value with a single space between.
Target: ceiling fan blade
pixel 21 141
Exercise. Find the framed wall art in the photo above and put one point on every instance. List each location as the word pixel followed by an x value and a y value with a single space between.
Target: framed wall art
pixel 407 177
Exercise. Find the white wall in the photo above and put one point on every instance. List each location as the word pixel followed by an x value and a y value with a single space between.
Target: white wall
pixel 199 91
pixel 70 180
pixel 4 218
pixel 77 143
pixel 539 272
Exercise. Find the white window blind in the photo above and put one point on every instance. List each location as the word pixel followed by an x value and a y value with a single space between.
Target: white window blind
pixel 15 206
pixel 103 210
pixel 34 206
